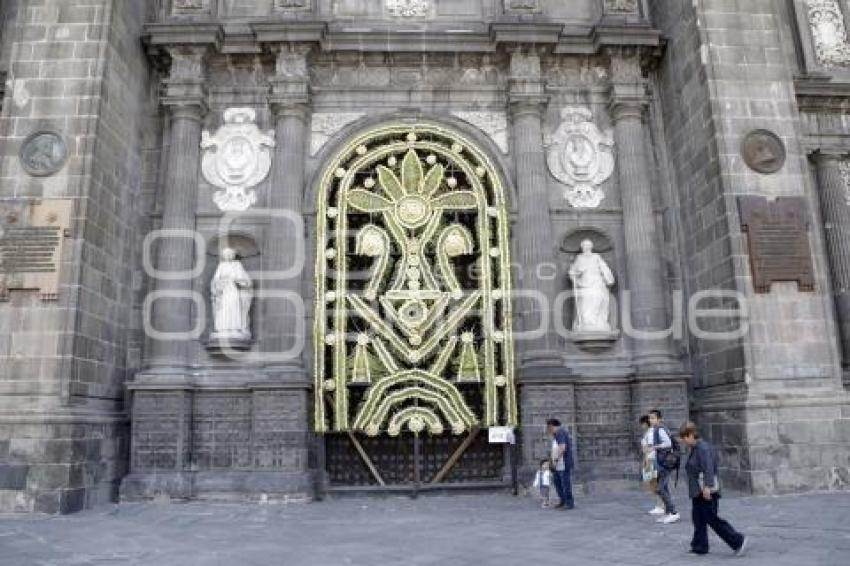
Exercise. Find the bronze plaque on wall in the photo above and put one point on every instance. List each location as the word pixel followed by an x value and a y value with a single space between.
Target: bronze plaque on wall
pixel 31 237
pixel 778 237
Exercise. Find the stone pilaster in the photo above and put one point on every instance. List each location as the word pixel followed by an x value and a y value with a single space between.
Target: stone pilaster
pixel 833 191
pixel 533 230
pixel 283 328
pixel 172 311
pixel 646 284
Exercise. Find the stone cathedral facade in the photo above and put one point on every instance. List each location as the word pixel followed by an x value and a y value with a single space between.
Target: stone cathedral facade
pixel 284 249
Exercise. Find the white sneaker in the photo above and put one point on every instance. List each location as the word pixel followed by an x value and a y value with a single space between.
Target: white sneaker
pixel 656 511
pixel 668 519
pixel 743 550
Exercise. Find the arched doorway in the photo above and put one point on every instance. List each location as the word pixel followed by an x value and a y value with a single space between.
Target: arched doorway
pixel 412 340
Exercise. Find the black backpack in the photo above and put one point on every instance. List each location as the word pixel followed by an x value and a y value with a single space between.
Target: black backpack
pixel 669 459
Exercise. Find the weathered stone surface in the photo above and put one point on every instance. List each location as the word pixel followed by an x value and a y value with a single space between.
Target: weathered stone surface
pixel 130 87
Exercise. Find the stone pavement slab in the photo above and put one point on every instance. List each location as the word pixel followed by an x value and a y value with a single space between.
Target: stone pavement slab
pixel 475 530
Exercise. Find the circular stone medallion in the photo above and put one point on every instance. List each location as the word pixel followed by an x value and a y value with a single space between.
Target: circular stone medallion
pixel 763 151
pixel 43 153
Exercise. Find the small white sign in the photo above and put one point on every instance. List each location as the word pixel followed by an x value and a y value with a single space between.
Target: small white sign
pixel 502 435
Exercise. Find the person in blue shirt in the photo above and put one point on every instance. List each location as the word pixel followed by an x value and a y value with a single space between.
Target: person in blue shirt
pixel 704 490
pixel 562 460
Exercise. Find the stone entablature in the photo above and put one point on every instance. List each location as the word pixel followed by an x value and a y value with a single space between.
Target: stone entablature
pixel 401 12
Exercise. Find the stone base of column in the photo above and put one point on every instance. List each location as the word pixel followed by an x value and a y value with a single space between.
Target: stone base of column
pixel 61 460
pixel 602 415
pixel 787 442
pixel 656 363
pixel 221 436
pixel 541 365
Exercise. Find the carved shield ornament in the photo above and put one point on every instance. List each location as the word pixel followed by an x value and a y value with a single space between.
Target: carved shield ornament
pixel 236 159
pixel 581 157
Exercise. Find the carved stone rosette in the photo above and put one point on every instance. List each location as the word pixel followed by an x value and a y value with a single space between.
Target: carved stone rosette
pixel 829 32
pixel 408 8
pixel 236 159
pixel 581 157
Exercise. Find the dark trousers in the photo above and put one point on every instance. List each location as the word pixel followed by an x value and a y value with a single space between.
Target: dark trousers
pixel 564 486
pixel 704 515
pixel 663 490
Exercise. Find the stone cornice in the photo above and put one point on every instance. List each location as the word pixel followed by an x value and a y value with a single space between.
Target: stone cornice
pixel 471 37
pixel 821 94
pixel 526 33
pixel 290 32
pixel 184 34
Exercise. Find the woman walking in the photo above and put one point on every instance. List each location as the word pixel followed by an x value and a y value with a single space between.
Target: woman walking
pixel 649 471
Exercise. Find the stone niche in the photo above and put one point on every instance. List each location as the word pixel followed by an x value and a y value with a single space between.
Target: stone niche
pixel 591 340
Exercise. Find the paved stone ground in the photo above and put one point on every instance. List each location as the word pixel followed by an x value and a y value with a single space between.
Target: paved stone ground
pixel 475 530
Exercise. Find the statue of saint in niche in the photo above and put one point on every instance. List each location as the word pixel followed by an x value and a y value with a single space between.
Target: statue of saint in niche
pixel 232 292
pixel 591 278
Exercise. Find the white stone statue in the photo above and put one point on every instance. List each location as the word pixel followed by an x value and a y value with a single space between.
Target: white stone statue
pixel 591 278
pixel 232 292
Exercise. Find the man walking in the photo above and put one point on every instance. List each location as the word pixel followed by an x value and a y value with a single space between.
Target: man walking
pixel 562 458
pixel 663 444
pixel 704 490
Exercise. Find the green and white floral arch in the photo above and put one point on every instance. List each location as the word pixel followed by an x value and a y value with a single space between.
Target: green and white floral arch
pixel 413 285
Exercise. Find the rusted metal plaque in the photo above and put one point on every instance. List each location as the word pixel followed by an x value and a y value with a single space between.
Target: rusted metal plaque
pixel 31 238
pixel 778 238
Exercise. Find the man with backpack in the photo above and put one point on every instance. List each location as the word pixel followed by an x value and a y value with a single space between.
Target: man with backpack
pixel 668 459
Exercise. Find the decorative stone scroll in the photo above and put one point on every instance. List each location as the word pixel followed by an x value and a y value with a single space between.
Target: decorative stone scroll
pixel 581 157
pixel 31 240
pixel 844 169
pixel 829 32
pixel 291 5
pixel 621 6
pixel 522 6
pixel 494 124
pixel 190 6
pixel 778 238
pixel 408 8
pixel 404 335
pixel 236 159
pixel 326 124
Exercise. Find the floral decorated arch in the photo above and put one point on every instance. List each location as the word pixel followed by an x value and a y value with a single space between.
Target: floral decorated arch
pixel 413 304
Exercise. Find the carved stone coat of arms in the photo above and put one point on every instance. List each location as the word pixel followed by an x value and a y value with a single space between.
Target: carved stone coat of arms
pixel 236 159
pixel 581 157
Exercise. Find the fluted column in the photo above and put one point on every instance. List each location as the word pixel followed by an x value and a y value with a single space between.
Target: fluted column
pixel 172 310
pixel 533 230
pixel 646 285
pixel 835 211
pixel 283 324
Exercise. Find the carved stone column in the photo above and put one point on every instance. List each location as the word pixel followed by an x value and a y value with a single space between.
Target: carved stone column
pixel 646 284
pixel 533 230
pixel 283 324
pixel 185 102
pixel 833 172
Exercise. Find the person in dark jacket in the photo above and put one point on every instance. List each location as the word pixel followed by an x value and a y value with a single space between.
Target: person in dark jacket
pixel 704 490
pixel 562 460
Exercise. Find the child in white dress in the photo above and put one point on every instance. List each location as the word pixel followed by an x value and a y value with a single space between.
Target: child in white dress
pixel 543 480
